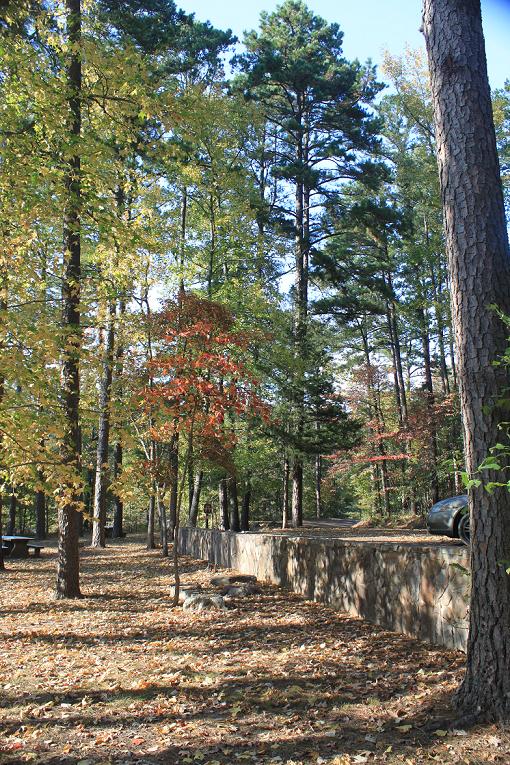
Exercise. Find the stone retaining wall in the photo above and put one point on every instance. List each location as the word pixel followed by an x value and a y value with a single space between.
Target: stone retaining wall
pixel 407 588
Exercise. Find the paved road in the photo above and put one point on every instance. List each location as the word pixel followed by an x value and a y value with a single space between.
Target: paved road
pixel 331 523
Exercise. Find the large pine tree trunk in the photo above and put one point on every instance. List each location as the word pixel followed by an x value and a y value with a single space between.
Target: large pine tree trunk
pixel 479 263
pixel 103 435
pixel 68 567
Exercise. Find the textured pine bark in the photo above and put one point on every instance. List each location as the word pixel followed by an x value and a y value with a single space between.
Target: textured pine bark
pixel 68 567
pixel 479 264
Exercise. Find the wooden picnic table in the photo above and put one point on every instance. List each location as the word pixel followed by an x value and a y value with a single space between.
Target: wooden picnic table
pixel 17 546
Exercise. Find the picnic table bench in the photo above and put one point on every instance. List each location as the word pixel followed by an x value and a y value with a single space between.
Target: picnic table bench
pixel 36 547
pixel 18 546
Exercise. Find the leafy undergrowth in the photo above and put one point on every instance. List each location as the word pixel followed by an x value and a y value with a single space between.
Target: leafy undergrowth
pixel 120 677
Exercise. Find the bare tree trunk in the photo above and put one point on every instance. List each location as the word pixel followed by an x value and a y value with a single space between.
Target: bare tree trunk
pixel 301 309
pixel 285 499
pixel 479 263
pixel 297 492
pixel 118 505
pixel 11 518
pixel 195 502
pixel 377 414
pixel 68 566
pixel 118 452
pixel 2 564
pixel 393 321
pixel 163 524
pixel 233 502
pixel 40 514
pixel 245 510
pixel 223 499
pixel 429 386
pixel 4 286
pixel 151 517
pixel 318 482
pixel 103 434
pixel 174 481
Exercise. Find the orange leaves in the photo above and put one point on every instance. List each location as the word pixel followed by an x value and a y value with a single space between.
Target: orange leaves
pixel 199 377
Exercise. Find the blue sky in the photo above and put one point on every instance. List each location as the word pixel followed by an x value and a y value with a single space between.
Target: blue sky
pixel 369 26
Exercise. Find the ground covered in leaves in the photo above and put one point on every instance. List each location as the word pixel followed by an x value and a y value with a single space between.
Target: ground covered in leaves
pixel 120 677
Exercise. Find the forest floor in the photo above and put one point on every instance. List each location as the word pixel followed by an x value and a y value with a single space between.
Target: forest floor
pixel 120 677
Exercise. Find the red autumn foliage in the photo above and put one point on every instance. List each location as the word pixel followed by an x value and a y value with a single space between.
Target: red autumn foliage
pixel 199 377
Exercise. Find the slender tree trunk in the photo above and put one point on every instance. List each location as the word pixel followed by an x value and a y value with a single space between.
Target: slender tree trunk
pixel 4 286
pixel 318 482
pixel 68 566
pixel 397 347
pixel 233 502
pixel 195 502
pixel 245 509
pixel 223 499
pixel 479 263
pixel 118 451
pixel 151 517
pixel 429 387
pixel 88 495
pixel 301 309
pixel 103 434
pixel 174 487
pixel 285 498
pixel 297 493
pixel 377 414
pixel 163 523
pixel 11 518
pixel 396 382
pixel 118 505
pixel 40 514
pixel 440 331
pixel 2 564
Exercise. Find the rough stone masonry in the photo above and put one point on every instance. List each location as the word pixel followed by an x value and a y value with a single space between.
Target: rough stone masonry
pixel 419 590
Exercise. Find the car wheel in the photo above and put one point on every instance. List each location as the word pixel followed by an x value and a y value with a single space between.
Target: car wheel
pixel 464 534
